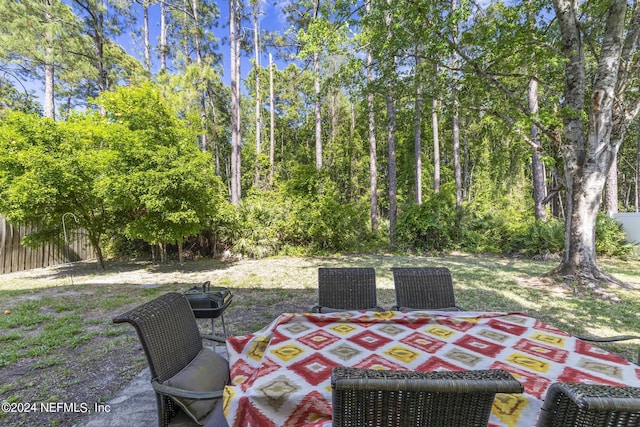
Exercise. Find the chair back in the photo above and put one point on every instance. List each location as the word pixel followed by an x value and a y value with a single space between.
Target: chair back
pixel 590 405
pixel 369 397
pixel 168 332
pixel 428 288
pixel 347 288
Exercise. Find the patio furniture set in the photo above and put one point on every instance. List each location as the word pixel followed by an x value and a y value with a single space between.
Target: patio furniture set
pixel 427 362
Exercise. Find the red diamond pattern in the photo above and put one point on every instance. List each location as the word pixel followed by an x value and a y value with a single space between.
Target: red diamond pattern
pixel 456 324
pixel 378 362
pixel 537 349
pixel 587 349
pixel 314 410
pixel 573 375
pixel 251 416
pixel 278 338
pixel 437 364
pixel 532 383
pixel 318 339
pixel 314 369
pixel 238 343
pixel 544 327
pixel 507 327
pixel 370 340
pixel 478 345
pixel 423 342
pixel 310 404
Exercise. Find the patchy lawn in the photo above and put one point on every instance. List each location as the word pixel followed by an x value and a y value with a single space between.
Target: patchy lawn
pixel 58 344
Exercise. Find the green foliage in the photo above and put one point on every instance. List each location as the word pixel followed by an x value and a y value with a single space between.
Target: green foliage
pixel 163 185
pixel 483 232
pixel 295 217
pixel 431 226
pixel 326 223
pixel 260 219
pixel 50 168
pixel 534 238
pixel 611 240
pixel 11 99
pixel 138 170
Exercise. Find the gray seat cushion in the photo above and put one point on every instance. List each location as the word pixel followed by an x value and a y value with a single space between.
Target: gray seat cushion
pixel 208 371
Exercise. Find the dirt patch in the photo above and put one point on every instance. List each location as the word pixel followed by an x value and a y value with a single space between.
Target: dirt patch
pixel 96 370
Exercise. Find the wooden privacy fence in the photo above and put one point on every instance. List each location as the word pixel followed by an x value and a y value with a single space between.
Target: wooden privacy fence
pixel 16 257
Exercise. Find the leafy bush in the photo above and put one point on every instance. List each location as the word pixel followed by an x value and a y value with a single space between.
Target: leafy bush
pixel 611 240
pixel 431 226
pixel 537 238
pixel 327 223
pixel 295 218
pixel 260 217
pixel 483 232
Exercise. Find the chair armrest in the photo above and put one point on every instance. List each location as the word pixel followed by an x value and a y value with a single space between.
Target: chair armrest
pixel 315 309
pixel 611 339
pixel 189 394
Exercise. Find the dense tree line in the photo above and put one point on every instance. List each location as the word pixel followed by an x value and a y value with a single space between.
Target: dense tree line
pixel 429 125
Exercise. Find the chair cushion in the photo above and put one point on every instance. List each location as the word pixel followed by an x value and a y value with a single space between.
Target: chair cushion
pixel 208 371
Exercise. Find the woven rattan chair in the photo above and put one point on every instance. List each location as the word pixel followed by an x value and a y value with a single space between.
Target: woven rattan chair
pixel 590 405
pixel 346 289
pixel 187 378
pixel 369 397
pixel 424 288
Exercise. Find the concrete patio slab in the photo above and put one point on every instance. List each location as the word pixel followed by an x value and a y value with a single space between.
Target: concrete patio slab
pixel 134 405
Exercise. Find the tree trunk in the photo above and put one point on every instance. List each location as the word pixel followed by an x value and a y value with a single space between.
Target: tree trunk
pixel 436 144
pixel 391 136
pixel 163 36
pixel 256 49
pixel 391 140
pixel 417 132
pixel 95 242
pixel 588 155
pixel 316 90
pixel 457 164
pixel 147 44
pixel 373 151
pixel 49 70
pixel 537 167
pixel 611 188
pixel 235 101
pixel 49 103
pixel 457 168
pixel 317 112
pixel 579 257
pixel 637 198
pixel 272 122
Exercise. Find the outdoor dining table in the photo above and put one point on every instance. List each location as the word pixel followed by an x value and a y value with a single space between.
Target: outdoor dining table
pixel 280 375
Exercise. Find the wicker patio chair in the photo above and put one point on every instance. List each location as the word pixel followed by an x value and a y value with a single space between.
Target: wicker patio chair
pixel 342 289
pixel 590 405
pixel 369 397
pixel 188 379
pixel 424 288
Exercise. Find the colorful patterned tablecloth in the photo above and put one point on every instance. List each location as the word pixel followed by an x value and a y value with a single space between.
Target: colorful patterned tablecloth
pixel 280 376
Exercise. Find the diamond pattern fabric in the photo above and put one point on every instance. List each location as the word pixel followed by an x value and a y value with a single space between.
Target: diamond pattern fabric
pixel 280 375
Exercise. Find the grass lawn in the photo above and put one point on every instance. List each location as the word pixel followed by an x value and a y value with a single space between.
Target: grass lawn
pixel 58 344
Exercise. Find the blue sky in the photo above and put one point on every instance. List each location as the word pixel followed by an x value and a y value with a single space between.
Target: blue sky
pixel 272 20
